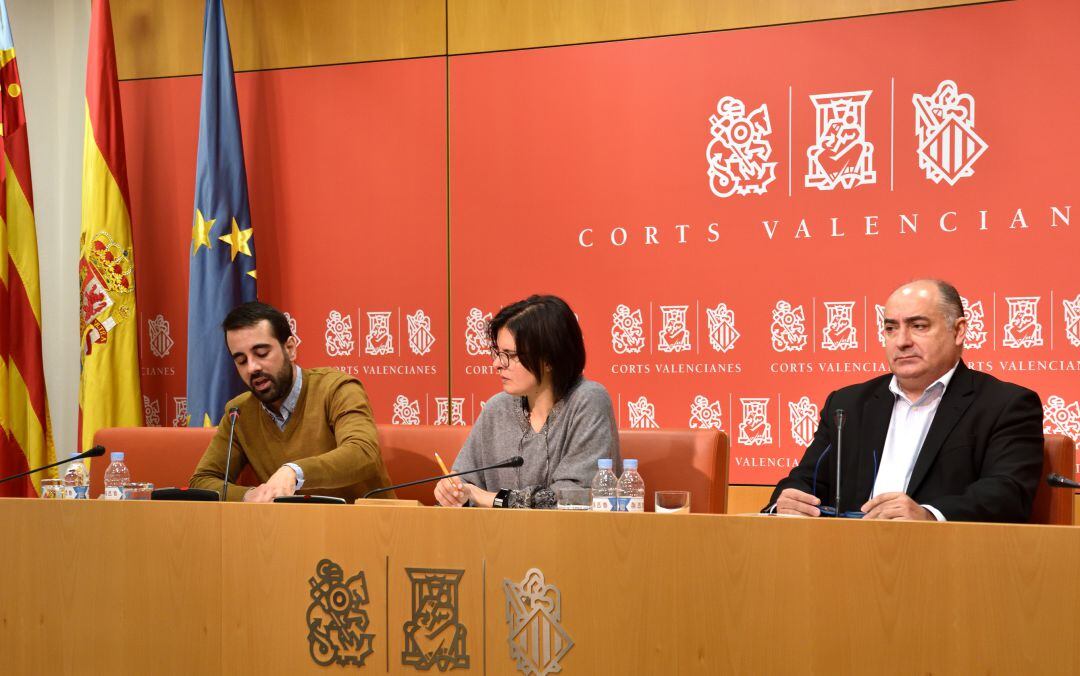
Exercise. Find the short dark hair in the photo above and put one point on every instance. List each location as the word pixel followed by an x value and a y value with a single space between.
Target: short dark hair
pixel 251 313
pixel 547 334
pixel 951 304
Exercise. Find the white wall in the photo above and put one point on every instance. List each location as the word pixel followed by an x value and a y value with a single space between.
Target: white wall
pixel 50 47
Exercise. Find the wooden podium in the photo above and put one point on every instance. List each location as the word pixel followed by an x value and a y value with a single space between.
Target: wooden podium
pixel 153 587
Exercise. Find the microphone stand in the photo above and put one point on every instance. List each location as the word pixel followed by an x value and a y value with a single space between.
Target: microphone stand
pixel 92 453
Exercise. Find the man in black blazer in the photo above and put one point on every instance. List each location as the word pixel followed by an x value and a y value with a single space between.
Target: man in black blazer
pixel 934 440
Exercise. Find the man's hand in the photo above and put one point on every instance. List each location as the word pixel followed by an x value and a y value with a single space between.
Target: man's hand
pixel 282 482
pixel 794 501
pixel 896 506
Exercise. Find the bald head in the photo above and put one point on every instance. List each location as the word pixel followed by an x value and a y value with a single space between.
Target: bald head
pixel 924 330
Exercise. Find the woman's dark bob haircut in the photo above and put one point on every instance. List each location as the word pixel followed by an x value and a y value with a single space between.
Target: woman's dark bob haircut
pixel 546 333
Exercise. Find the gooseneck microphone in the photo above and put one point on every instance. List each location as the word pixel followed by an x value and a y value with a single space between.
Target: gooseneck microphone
pixel 516 461
pixel 1058 481
pixel 95 452
pixel 839 452
pixel 234 414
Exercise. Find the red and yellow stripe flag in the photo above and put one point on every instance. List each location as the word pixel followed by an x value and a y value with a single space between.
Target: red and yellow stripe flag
pixel 109 393
pixel 25 430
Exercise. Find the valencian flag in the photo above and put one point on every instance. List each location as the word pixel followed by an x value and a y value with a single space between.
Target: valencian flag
pixel 109 385
pixel 222 249
pixel 25 430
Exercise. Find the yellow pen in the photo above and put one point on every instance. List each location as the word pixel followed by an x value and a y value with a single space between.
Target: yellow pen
pixel 442 466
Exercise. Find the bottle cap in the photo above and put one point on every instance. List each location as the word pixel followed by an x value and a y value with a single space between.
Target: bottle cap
pixel 604 463
pixel 629 463
pixel 74 454
pixel 117 456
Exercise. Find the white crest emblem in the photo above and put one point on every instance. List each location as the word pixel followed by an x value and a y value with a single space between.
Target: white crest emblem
pixel 879 314
pixel 476 338
pixel 976 325
pixel 839 332
pixel 738 153
pixel 420 337
pixel 379 340
pixel 627 335
pixel 292 328
pixel 180 414
pixel 339 337
pixel 722 331
pixel 1023 328
pixel 160 340
pixel 1061 418
pixel 841 156
pixel 705 414
pixel 945 126
pixel 788 327
pixel 151 411
pixel 755 430
pixel 533 616
pixel 803 417
pixel 642 414
pixel 674 336
pixel 1072 320
pixel 449 411
pixel 406 412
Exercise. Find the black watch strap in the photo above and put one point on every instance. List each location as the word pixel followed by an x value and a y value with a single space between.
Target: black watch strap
pixel 502 498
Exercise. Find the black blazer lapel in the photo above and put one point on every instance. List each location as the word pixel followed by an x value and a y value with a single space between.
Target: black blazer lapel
pixel 958 396
pixel 876 413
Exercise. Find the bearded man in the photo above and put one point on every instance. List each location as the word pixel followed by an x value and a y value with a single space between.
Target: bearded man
pixel 300 430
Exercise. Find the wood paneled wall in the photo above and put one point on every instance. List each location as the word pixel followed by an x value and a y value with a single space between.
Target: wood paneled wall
pixel 163 38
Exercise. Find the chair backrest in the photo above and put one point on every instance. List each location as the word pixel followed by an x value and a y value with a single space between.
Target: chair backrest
pixel 693 460
pixel 1055 505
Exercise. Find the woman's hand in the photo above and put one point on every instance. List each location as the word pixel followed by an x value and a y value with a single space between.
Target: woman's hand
pixel 452 493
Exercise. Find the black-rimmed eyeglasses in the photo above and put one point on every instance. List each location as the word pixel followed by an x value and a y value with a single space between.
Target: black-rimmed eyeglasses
pixel 503 357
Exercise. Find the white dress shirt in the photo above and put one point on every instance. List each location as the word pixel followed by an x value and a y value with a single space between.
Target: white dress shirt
pixel 908 427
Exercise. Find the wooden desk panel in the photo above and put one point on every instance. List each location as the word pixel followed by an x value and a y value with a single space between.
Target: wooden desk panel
pixel 639 594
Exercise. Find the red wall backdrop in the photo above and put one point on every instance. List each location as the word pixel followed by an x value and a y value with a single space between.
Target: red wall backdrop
pixel 585 171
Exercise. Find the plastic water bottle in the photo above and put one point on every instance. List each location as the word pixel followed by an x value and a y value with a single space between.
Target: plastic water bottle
pixel 76 481
pixel 116 476
pixel 603 487
pixel 630 490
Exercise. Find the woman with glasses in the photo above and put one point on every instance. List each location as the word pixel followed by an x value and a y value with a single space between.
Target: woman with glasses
pixel 547 413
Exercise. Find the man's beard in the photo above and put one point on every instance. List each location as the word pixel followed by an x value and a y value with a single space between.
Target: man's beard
pixel 280 384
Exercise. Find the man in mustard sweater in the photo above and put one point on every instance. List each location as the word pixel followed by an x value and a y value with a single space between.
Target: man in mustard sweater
pixel 307 430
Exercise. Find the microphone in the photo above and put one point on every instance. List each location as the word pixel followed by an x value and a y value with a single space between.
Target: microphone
pixel 516 461
pixel 1058 481
pixel 234 414
pixel 95 452
pixel 840 417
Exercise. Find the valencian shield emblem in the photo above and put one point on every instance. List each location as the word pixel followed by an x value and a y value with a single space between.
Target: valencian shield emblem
pixel 534 618
pixel 434 637
pixel 336 619
pixel 108 290
pixel 803 417
pixel 160 340
pixel 1072 320
pixel 945 126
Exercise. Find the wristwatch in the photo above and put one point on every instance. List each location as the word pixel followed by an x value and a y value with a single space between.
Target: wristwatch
pixel 502 498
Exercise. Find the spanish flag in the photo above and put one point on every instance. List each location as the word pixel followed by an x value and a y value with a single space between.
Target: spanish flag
pixel 109 386
pixel 25 430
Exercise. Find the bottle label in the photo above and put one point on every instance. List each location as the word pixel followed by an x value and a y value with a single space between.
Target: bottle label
pixel 603 504
pixel 114 493
pixel 69 492
pixel 634 504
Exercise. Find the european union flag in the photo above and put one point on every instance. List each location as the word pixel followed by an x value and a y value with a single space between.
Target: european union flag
pixel 222 248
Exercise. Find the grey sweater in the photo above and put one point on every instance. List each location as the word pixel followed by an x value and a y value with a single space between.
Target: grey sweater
pixel 579 430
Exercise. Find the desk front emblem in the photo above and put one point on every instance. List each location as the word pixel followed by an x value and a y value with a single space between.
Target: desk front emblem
pixel 534 618
pixel 336 620
pixel 434 636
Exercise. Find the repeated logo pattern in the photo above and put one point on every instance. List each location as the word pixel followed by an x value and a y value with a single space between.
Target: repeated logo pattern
pixel 839 332
pixel 1072 320
pixel 841 157
pixel 642 414
pixel 477 342
pixel 674 335
pixel 803 416
pixel 160 340
pixel 976 324
pixel 434 636
pixel 151 411
pixel 449 411
pixel 788 328
pixel 292 328
pixel 1060 417
pixel 1023 328
pixel 945 127
pixel 337 621
pixel 722 331
pixel 339 335
pixel 536 636
pixel 755 429
pixel 420 337
pixel 705 414
pixel 180 414
pixel 739 151
pixel 379 340
pixel 406 412
pixel 627 334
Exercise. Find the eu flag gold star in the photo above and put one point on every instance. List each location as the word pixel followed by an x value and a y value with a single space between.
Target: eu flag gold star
pixel 200 233
pixel 238 240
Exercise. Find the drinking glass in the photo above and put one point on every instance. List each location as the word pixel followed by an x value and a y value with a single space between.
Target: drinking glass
pixel 574 498
pixel 138 491
pixel 52 489
pixel 672 502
